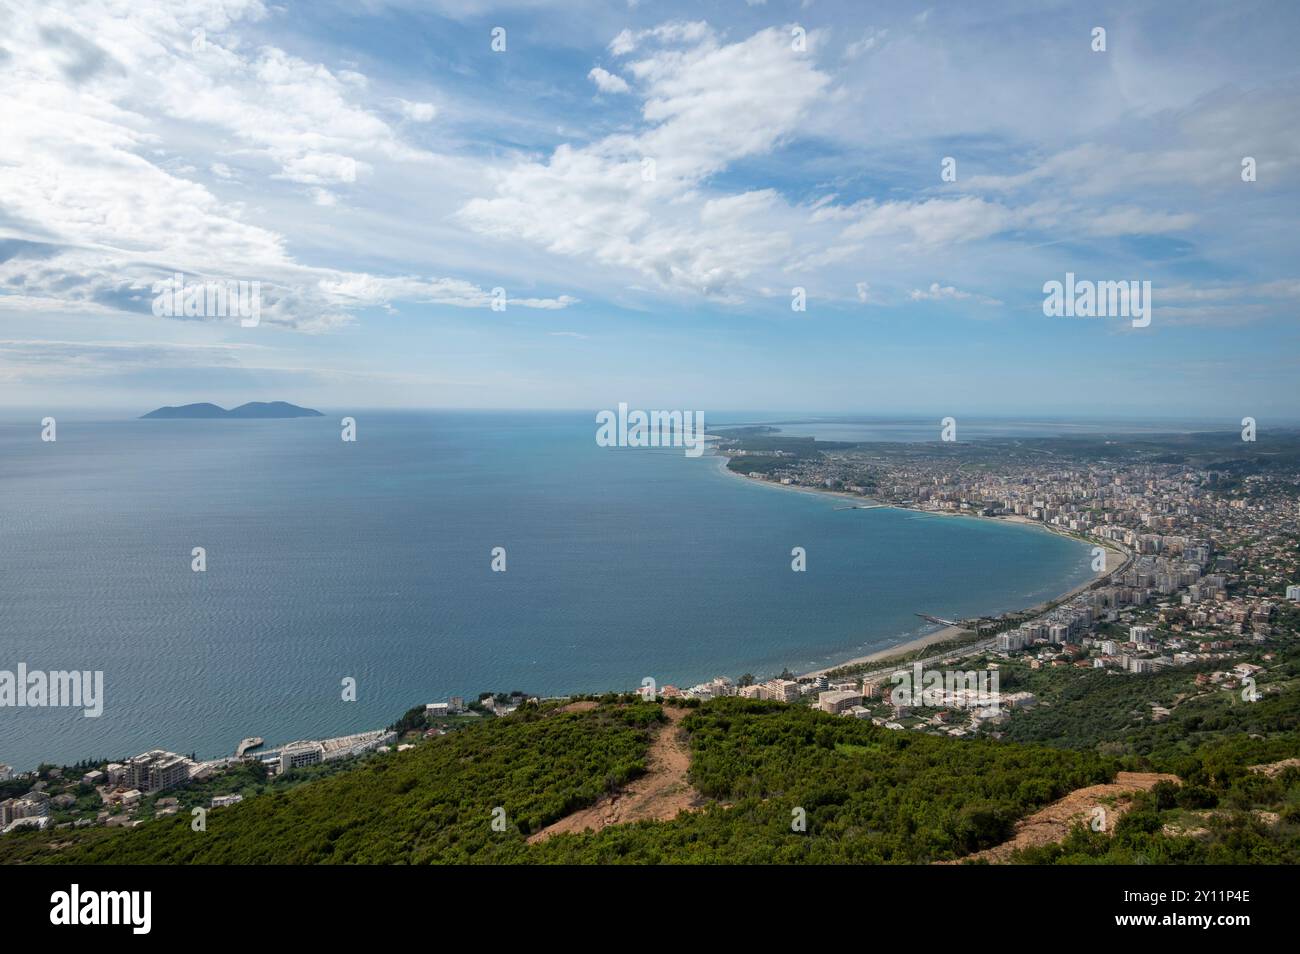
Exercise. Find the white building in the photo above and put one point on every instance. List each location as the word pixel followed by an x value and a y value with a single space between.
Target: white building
pixel 837 700
pixel 31 805
pixel 155 770
pixel 1011 641
pixel 297 754
pixel 782 690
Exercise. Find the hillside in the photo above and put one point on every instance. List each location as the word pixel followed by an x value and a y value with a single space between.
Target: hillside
pixel 1230 792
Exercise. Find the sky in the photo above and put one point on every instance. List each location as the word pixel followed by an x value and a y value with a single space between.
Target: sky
pixel 522 204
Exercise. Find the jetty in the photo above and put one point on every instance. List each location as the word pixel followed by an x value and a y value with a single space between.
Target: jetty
pixel 939 619
pixel 247 745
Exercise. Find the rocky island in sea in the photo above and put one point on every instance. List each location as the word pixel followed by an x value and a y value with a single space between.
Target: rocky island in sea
pixel 257 410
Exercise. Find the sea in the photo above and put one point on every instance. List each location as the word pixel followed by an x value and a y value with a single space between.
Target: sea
pixel 369 564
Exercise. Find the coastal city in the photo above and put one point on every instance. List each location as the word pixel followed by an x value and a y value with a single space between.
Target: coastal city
pixel 1195 564
pixel 1196 567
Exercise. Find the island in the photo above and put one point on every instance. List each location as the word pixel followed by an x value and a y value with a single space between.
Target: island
pixel 253 410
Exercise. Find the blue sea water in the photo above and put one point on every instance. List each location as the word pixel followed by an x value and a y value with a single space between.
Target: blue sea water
pixel 371 560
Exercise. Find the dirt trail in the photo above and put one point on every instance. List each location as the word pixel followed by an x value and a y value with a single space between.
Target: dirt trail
pixel 1052 823
pixel 660 794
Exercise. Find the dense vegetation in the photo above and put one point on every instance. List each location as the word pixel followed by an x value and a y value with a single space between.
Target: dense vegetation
pixel 1224 812
pixel 1238 817
pixel 1113 713
pixel 866 794
pixel 432 803
pixel 870 795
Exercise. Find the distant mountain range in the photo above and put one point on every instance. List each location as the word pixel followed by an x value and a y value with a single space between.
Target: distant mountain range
pixel 252 410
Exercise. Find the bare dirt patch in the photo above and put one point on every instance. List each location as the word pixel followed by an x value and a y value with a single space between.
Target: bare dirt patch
pixel 660 794
pixel 585 705
pixel 1274 769
pixel 1053 822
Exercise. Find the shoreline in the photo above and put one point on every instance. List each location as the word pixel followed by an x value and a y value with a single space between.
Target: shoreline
pixel 1116 559
pixel 945 633
pixel 941 635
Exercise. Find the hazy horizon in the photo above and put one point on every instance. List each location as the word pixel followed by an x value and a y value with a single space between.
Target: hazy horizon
pixel 720 417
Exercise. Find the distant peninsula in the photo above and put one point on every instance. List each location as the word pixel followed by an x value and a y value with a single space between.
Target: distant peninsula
pixel 253 410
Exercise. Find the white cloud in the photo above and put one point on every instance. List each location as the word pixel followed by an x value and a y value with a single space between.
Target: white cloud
pixel 319 168
pixel 1131 220
pixel 925 223
pixel 866 43
pixel 677 31
pixel 706 106
pixel 418 112
pixel 607 82
pixel 937 292
pixel 96 191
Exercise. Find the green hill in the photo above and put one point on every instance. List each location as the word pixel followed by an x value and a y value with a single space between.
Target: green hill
pixel 868 794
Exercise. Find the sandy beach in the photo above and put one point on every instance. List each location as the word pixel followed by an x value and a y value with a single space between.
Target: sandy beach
pixel 1115 558
pixel 920 642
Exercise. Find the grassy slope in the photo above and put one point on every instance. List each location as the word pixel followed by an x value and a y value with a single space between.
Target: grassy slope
pixel 433 803
pixel 870 795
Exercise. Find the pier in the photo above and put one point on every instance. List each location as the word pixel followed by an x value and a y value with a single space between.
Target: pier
pixel 938 619
pixel 254 742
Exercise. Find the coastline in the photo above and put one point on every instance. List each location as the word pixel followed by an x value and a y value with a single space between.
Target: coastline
pixel 942 635
pixel 1116 559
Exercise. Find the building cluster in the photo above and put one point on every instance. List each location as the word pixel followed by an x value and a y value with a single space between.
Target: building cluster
pixel 454 706
pixel 29 811
pixel 123 787
pixel 315 752
pixel 151 772
pixel 1207 570
pixel 779 690
pixel 1155 612
pixel 1206 560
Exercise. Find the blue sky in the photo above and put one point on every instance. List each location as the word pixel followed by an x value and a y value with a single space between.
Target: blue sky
pixel 380 169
